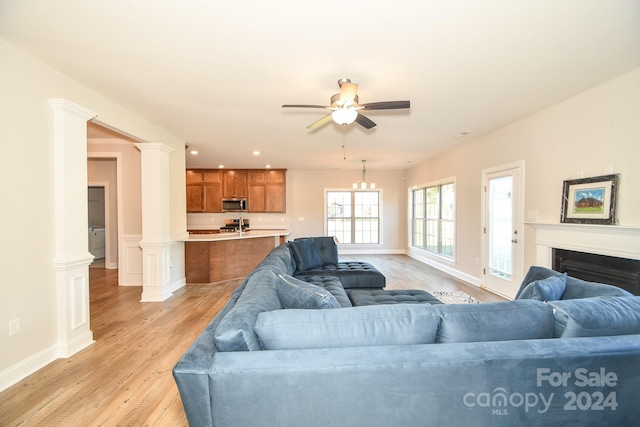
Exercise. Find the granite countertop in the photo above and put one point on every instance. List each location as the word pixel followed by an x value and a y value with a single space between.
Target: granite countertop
pixel 251 234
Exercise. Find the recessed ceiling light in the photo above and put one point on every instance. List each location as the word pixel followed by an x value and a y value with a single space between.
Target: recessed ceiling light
pixel 194 152
pixel 267 166
pixel 463 134
pixel 221 166
pixel 256 153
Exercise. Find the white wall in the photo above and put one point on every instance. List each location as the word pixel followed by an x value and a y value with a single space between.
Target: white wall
pixel 27 284
pixel 595 132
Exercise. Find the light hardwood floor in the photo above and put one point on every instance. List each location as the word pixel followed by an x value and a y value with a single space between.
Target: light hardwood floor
pixel 124 378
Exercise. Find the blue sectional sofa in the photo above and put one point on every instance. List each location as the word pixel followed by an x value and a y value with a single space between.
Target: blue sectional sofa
pixel 538 360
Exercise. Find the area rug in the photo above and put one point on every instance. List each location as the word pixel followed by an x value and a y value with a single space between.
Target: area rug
pixel 456 297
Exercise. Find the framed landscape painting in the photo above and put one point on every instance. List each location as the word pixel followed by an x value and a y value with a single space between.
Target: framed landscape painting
pixel 590 200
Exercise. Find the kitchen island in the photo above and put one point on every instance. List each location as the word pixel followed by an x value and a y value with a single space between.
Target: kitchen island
pixel 214 257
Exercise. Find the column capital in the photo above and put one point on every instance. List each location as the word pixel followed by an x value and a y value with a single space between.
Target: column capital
pixel 61 104
pixel 154 146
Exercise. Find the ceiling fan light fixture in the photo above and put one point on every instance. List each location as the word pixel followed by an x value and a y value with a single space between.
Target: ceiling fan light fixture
pixel 344 116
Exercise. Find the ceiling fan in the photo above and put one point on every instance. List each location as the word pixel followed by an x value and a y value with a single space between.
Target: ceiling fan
pixel 346 109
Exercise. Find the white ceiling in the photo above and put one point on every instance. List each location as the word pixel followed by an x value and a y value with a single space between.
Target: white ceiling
pixel 216 73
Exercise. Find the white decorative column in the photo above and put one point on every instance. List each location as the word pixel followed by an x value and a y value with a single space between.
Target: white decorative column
pixel 156 227
pixel 72 258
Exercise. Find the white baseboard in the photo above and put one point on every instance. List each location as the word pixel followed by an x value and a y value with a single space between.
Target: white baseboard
pixel 475 281
pixel 26 367
pixel 80 342
pixel 368 251
pixel 178 284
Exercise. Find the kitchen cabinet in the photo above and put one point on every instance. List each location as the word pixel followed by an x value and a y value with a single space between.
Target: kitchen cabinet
pixel 267 190
pixel 204 190
pixel 235 184
pixel 264 189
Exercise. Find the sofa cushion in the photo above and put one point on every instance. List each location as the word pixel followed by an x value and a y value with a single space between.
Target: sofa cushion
pixel 497 321
pixel 595 317
pixel 352 274
pixel 327 249
pixel 576 288
pixel 549 289
pixel 305 254
pixel 279 260
pixel 333 285
pixel 295 293
pixel 235 331
pixel 349 327
pixel 362 297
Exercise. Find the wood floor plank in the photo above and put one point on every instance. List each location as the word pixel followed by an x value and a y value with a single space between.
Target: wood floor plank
pixel 125 378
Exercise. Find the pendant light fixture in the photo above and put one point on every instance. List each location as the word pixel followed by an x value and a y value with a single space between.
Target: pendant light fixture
pixel 363 184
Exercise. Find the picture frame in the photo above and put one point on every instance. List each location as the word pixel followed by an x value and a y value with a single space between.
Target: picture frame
pixel 590 200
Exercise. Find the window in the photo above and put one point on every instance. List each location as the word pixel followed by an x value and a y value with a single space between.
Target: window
pixel 354 216
pixel 433 219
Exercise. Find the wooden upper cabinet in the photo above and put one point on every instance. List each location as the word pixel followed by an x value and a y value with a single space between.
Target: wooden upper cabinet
pixel 256 198
pixel 212 176
pixel 204 191
pixel 194 177
pixel 235 183
pixel 267 190
pixel 195 198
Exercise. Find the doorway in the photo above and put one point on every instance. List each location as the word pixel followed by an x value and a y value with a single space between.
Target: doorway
pixel 503 228
pixel 98 233
pixel 103 214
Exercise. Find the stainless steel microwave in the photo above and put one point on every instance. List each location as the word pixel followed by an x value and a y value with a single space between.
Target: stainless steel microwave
pixel 234 205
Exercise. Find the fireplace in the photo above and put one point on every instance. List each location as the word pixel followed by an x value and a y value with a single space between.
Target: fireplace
pixel 598 253
pixel 621 272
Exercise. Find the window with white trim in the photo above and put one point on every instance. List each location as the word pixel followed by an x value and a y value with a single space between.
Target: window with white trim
pixel 433 219
pixel 353 216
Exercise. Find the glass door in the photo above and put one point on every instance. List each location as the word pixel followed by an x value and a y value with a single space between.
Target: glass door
pixel 501 231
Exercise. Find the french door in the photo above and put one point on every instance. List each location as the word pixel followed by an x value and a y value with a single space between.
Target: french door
pixel 502 229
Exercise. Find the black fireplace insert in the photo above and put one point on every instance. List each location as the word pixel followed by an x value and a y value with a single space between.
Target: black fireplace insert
pixel 621 272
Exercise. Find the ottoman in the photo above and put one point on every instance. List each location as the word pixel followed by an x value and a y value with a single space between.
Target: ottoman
pixel 361 297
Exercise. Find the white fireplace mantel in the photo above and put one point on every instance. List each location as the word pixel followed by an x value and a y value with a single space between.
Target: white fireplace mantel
pixel 611 240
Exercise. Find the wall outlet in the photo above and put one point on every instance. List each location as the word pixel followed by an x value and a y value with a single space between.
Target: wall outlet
pixel 14 327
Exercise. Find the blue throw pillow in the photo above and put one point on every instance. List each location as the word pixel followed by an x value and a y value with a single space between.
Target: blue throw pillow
pixel 305 254
pixel 549 289
pixel 295 293
pixel 327 249
pixel 596 317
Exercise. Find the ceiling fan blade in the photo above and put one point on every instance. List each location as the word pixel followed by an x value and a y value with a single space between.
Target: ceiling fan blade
pixel 364 121
pixel 386 105
pixel 326 119
pixel 348 92
pixel 304 106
